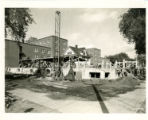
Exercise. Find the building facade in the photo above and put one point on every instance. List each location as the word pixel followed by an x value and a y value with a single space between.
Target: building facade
pixel 29 51
pixel 51 42
pixel 95 56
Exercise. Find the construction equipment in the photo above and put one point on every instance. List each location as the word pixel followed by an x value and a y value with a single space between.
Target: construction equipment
pixel 57 63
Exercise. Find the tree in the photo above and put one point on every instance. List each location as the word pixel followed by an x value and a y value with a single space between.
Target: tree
pixel 118 57
pixel 17 21
pixel 142 60
pixel 132 27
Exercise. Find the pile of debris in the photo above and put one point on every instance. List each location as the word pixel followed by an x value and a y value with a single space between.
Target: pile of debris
pixel 130 81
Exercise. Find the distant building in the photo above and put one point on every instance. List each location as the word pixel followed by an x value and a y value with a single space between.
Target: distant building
pixel 83 69
pixel 51 42
pixel 105 60
pixel 95 56
pixel 105 63
pixel 76 52
pixel 29 51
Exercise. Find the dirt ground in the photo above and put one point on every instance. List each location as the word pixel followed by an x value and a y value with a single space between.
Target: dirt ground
pixel 68 93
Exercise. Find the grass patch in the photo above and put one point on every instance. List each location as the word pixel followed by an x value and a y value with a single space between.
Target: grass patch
pixel 119 86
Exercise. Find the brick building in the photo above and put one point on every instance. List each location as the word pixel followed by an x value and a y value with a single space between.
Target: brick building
pixel 34 48
pixel 30 51
pixel 52 42
pixel 95 55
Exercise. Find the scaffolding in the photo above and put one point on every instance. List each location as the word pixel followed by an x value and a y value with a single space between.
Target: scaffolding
pixel 57 54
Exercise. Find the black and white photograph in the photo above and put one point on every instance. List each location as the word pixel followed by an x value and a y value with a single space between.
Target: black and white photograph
pixel 75 60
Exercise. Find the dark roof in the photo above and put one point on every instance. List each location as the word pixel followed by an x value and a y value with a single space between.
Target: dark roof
pixel 52 36
pixel 26 43
pixel 79 51
pixel 93 49
pixel 35 39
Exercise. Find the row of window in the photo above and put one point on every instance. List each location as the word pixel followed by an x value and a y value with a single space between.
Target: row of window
pixel 61 42
pixel 37 56
pixel 43 51
pixel 63 49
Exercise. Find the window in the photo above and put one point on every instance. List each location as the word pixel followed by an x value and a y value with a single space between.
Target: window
pixel 36 50
pixel 56 54
pixel 56 48
pixel 20 48
pixel 56 42
pixel 49 52
pixel 64 49
pixel 49 55
pixel 43 51
pixel 97 75
pixel 36 56
pixel 107 74
pixel 64 44
pixel 94 74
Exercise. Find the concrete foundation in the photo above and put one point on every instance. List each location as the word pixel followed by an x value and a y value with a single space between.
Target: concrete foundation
pixel 92 73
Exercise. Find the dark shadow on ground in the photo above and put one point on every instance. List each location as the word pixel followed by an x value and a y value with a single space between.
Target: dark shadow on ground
pixel 100 100
pixel 86 93
pixel 81 89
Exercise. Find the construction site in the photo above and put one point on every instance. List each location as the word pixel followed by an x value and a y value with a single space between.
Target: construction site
pixel 65 80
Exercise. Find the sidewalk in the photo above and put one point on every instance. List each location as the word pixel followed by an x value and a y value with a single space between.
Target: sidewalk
pixel 123 103
pixel 65 106
pixel 129 102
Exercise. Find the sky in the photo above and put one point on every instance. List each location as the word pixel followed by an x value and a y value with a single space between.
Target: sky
pixel 89 28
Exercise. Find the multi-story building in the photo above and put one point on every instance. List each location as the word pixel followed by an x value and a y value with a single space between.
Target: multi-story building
pixel 52 42
pixel 95 56
pixel 30 51
pixel 46 47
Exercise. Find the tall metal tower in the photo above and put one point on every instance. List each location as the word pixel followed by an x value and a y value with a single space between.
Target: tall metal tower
pixel 57 37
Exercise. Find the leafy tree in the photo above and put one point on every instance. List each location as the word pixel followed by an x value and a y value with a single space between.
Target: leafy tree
pixel 118 57
pixel 132 27
pixel 17 21
pixel 142 60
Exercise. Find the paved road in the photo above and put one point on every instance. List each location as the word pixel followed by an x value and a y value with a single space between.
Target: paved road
pixel 124 103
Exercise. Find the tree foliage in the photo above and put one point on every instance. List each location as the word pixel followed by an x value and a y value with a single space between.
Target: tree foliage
pixel 17 21
pixel 142 59
pixel 118 57
pixel 132 27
